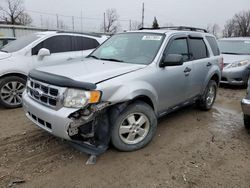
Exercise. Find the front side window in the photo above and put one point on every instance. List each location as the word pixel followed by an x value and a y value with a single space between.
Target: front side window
pixel 56 44
pixel 135 48
pixel 198 48
pixel 179 46
pixel 234 47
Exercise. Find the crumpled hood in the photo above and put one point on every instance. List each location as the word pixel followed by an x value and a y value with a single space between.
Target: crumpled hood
pixel 4 55
pixel 90 70
pixel 228 59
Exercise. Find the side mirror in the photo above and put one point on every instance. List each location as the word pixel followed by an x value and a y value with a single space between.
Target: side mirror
pixel 172 60
pixel 43 52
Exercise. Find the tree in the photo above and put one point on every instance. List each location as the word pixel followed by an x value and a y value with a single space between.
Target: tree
pixel 111 21
pixel 14 13
pixel 213 29
pixel 155 24
pixel 135 25
pixel 238 26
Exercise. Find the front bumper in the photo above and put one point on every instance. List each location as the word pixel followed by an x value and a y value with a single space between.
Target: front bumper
pixel 245 104
pixel 235 76
pixel 54 122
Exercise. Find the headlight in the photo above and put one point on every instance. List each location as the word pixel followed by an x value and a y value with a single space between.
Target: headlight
pixel 76 98
pixel 239 64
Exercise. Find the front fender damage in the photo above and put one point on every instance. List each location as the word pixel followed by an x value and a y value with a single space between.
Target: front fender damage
pixel 90 130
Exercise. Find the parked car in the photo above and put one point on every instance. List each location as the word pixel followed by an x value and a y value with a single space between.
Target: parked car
pixel 5 40
pixel 236 53
pixel 245 104
pixel 35 50
pixel 121 89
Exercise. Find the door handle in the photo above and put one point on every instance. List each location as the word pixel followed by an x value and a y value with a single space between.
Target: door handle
pixel 70 58
pixel 187 70
pixel 209 64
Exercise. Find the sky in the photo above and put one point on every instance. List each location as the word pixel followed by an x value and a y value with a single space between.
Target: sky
pixel 197 13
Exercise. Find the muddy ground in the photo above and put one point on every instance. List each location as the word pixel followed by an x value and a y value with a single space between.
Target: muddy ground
pixel 191 149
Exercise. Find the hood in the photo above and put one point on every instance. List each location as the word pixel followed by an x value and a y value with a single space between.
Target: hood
pixel 92 71
pixel 228 59
pixel 4 55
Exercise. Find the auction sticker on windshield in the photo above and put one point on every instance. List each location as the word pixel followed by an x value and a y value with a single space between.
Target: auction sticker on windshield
pixel 151 37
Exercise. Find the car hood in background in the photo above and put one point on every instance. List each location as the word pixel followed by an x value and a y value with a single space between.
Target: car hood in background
pixel 92 71
pixel 228 59
pixel 4 55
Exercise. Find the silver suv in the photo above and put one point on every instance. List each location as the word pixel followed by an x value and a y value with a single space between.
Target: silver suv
pixel 119 91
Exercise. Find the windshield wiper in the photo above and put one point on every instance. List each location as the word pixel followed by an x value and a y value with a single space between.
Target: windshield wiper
pixel 231 53
pixel 93 56
pixel 111 59
pixel 4 51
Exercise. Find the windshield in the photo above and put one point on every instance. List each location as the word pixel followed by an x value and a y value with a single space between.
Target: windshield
pixel 235 47
pixel 19 43
pixel 136 48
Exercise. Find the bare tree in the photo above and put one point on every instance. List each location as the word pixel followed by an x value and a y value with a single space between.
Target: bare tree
pixel 135 25
pixel 238 26
pixel 213 29
pixel 111 21
pixel 13 12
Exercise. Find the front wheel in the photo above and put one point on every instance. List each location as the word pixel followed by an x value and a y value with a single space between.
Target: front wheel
pixel 11 89
pixel 134 127
pixel 207 99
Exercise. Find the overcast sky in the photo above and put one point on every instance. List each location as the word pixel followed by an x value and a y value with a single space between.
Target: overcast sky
pixel 197 13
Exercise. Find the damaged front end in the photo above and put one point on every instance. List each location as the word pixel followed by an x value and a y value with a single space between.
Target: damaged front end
pixel 90 129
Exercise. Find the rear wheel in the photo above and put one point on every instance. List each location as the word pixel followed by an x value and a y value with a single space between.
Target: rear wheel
pixel 247 121
pixel 11 89
pixel 134 127
pixel 207 100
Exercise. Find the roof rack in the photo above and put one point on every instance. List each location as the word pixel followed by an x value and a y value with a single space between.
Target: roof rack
pixel 181 28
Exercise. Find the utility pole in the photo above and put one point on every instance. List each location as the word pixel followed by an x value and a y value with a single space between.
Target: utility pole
pixel 104 22
pixel 130 25
pixel 57 21
pixel 41 18
pixel 73 23
pixel 142 23
pixel 81 21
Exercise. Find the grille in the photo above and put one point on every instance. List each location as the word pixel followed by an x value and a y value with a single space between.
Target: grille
pixel 43 93
pixel 40 121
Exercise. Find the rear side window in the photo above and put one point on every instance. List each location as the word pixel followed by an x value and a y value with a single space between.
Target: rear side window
pixel 198 48
pixel 180 47
pixel 56 44
pixel 213 44
pixel 84 43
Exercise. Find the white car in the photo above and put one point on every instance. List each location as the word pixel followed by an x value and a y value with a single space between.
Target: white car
pixel 35 50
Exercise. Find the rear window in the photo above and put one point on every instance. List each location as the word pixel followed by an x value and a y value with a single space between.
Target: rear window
pixel 213 44
pixel 199 48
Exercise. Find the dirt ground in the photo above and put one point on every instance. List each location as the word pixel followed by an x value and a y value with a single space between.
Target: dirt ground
pixel 191 149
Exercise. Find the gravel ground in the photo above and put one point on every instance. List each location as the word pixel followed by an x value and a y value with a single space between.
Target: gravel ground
pixel 191 149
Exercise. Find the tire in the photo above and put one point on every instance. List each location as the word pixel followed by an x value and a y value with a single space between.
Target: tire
pixel 247 121
pixel 207 99
pixel 140 133
pixel 11 89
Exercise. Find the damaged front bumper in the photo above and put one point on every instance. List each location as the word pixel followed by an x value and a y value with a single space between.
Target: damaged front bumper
pixel 88 131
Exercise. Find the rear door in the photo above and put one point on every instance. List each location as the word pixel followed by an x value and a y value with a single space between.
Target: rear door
pixel 61 49
pixel 201 64
pixel 175 80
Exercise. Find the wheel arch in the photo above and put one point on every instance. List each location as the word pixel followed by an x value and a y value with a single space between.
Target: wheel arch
pixel 14 74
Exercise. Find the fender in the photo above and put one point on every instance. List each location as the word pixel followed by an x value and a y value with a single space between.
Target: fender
pixel 130 91
pixel 213 71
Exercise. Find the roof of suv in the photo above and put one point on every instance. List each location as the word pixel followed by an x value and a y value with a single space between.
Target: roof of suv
pixel 237 38
pixel 175 29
